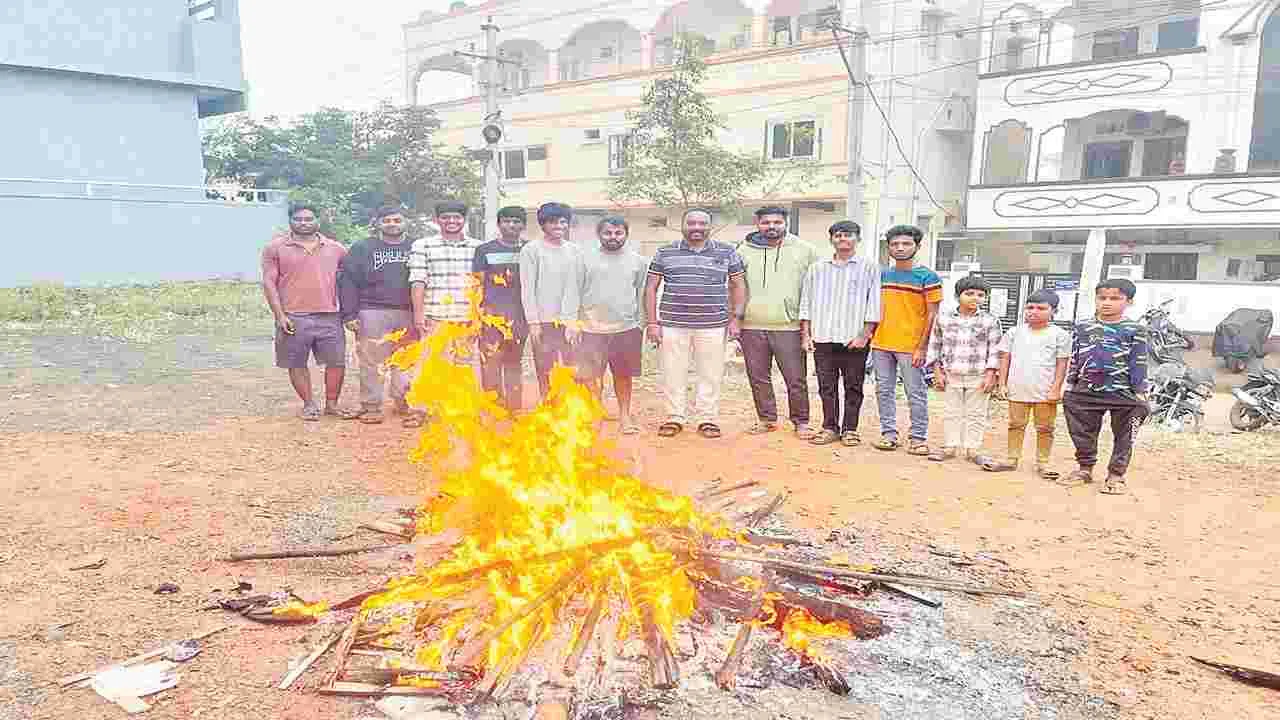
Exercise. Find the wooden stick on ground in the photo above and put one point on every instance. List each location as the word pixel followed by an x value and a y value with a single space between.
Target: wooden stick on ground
pixel 86 676
pixel 476 647
pixel 293 675
pixel 759 516
pixel 725 491
pixel 583 641
pixel 727 676
pixel 308 552
pixel 344 649
pixel 903 592
pixel 662 661
pixel 833 571
pixel 1248 676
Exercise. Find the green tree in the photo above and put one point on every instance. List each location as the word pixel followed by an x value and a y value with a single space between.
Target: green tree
pixel 674 157
pixel 347 163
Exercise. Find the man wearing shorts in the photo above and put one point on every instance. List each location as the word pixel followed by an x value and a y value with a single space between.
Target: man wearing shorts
pixel 300 281
pixel 612 291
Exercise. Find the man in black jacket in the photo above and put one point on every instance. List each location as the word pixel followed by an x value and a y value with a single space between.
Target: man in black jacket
pixel 373 288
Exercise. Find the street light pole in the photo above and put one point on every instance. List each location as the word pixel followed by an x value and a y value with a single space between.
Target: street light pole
pixel 490 110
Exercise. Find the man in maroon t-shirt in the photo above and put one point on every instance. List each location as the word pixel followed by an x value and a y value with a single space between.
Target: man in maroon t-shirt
pixel 299 278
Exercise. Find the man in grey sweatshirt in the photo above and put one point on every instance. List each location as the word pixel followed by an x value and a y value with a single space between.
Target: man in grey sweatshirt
pixel 612 295
pixel 551 272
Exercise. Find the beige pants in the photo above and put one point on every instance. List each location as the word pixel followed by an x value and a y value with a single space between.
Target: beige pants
pixel 966 413
pixel 704 349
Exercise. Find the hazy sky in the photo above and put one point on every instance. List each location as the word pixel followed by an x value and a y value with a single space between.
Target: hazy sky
pixel 300 55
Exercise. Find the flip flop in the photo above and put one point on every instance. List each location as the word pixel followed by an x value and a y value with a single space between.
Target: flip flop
pixel 1048 474
pixel 711 431
pixel 887 445
pixel 762 428
pixel 670 429
pixel 919 449
pixel 997 466
pixel 416 420
pixel 826 437
pixel 1078 477
pixel 630 429
pixel 1114 485
pixel 850 438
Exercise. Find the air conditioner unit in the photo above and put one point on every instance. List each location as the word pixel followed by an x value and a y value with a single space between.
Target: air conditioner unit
pixel 1127 272
pixel 966 268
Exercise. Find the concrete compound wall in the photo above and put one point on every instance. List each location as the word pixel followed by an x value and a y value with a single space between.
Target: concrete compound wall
pixel 83 241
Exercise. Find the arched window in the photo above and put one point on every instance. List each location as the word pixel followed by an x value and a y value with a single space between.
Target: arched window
pixel 1049 154
pixel 1008 151
pixel 1264 150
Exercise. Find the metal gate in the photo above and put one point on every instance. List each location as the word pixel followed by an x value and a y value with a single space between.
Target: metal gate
pixel 1010 290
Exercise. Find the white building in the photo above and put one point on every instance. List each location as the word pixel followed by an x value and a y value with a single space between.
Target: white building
pixel 775 74
pixel 1131 132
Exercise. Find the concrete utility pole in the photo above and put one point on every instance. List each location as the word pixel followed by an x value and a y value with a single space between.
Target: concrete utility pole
pixel 490 111
pixel 857 78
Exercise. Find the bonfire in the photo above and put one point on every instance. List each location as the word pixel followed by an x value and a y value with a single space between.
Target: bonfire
pixel 545 559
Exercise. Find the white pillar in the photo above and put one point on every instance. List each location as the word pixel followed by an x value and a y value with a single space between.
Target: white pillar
pixel 553 67
pixel 759 30
pixel 1092 272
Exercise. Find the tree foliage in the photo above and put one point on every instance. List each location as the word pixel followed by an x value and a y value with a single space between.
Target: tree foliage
pixel 348 163
pixel 674 156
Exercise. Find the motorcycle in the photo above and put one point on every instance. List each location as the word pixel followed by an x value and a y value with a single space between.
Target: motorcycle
pixel 1177 397
pixel 1258 402
pixel 1166 341
pixel 1242 337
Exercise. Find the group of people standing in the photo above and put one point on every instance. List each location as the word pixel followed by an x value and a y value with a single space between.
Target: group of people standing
pixel 592 306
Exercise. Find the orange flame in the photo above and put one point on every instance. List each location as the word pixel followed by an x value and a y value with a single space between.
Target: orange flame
pixel 519 490
pixel 297 609
pixel 800 629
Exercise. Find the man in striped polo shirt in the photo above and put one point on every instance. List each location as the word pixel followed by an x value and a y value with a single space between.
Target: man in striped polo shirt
pixel 839 312
pixel 439 278
pixel 703 300
pixel 909 299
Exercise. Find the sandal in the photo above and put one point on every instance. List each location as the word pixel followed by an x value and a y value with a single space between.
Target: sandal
pixel 942 455
pixel 918 448
pixel 804 432
pixel 1114 485
pixel 371 417
pixel 414 420
pixel 850 438
pixel 886 444
pixel 998 465
pixel 630 429
pixel 762 428
pixel 670 429
pixel 1079 476
pixel 710 431
pixel 1047 474
pixel 826 437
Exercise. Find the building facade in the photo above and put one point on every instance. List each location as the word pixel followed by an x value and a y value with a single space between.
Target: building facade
pixel 576 67
pixel 102 103
pixel 1131 138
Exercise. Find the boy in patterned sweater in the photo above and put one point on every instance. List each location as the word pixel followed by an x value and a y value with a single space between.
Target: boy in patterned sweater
pixel 1108 374
pixel 963 351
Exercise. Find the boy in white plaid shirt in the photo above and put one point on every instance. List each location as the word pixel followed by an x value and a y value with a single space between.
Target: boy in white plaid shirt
pixel 965 360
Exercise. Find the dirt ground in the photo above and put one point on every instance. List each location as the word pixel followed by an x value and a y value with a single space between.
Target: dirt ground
pixel 164 458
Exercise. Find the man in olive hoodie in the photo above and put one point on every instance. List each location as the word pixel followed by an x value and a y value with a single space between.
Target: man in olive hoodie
pixel 776 265
pixel 373 292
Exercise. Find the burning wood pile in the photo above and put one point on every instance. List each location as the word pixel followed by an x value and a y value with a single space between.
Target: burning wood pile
pixel 552 565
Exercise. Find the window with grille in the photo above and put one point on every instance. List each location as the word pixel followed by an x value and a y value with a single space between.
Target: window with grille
pixel 619 147
pixel 1115 43
pixel 792 139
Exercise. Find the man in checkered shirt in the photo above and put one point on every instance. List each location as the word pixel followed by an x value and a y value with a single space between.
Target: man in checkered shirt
pixel 965 359
pixel 440 277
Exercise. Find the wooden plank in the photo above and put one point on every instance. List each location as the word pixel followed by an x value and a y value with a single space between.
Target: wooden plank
pixel 320 649
pixel 150 655
pixel 309 552
pixel 344 647
pixel 370 690
pixel 388 528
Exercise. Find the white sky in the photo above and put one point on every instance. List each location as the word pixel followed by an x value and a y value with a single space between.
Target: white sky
pixel 301 55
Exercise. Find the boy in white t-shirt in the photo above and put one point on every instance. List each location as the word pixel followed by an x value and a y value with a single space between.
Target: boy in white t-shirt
pixel 1033 367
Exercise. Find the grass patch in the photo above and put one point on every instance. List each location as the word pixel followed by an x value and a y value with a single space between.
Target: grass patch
pixel 138 313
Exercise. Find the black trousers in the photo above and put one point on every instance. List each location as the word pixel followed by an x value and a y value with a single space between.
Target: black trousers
pixel 1084 413
pixel 501 369
pixel 835 362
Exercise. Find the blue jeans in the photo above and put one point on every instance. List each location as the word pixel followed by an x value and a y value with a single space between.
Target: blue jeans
pixel 889 365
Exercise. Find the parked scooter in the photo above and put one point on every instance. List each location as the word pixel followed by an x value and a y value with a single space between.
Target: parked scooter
pixel 1177 397
pixel 1241 338
pixel 1166 341
pixel 1258 402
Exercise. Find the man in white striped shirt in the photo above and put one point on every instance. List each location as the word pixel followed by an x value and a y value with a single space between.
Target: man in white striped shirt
pixel 839 312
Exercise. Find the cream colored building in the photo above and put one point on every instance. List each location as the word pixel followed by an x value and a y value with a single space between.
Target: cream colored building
pixel 775 74
pixel 1135 138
